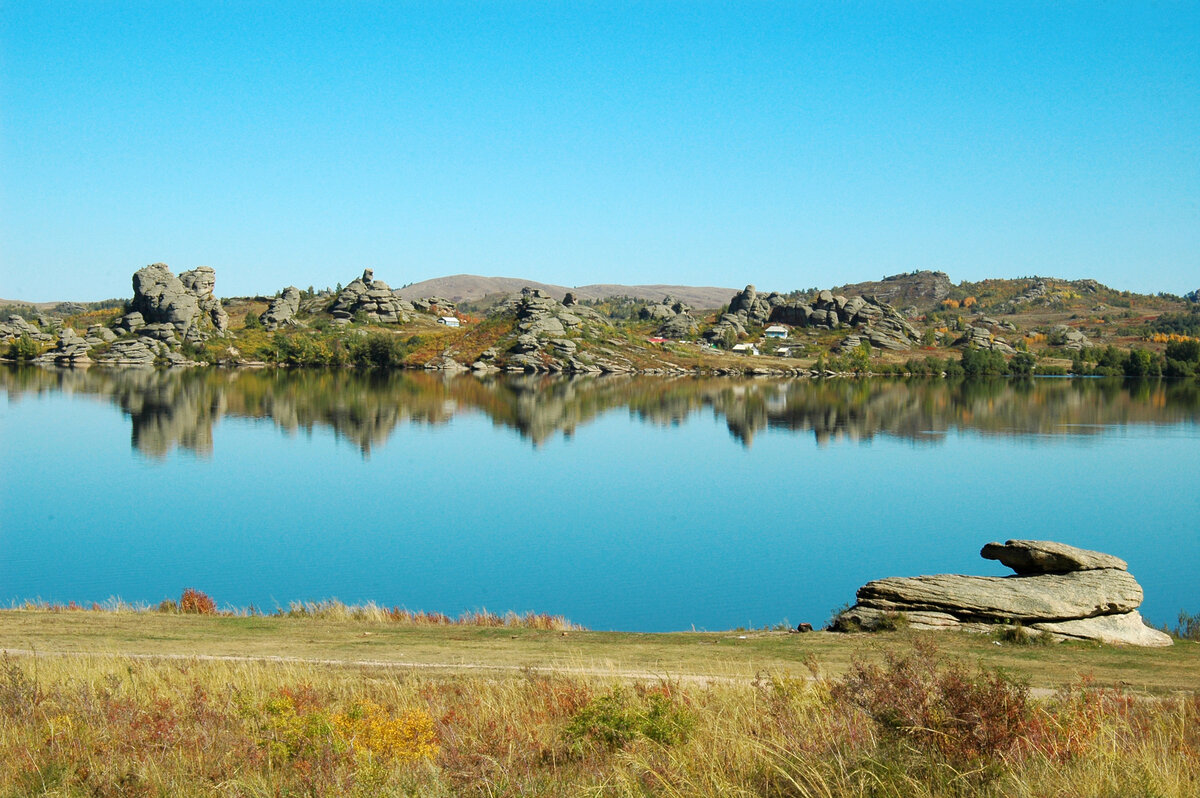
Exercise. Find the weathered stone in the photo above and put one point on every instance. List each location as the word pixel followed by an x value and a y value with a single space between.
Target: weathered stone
pixel 373 298
pixel 200 282
pixel 161 297
pixel 1048 557
pixel 680 325
pixel 283 309
pixel 1044 597
pixel 1125 629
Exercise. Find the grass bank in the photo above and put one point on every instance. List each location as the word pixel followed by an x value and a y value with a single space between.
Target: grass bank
pixel 146 703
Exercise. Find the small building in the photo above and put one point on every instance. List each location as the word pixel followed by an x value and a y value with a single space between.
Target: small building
pixel 745 349
pixel 776 331
pixel 449 321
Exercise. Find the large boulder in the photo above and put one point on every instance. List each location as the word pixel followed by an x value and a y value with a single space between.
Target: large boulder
pixel 200 283
pixel 1044 597
pixel 161 297
pixel 1058 590
pixel 282 310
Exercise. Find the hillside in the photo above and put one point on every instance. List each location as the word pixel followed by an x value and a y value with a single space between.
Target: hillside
pixel 470 287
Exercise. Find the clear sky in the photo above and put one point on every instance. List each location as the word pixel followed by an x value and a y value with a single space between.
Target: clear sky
pixel 786 144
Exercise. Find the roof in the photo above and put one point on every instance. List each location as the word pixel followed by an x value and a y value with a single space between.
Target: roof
pixel 777 328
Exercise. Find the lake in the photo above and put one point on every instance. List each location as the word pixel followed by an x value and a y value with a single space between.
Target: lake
pixel 632 503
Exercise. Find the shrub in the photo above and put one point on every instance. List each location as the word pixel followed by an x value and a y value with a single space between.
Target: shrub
pixel 252 321
pixel 967 718
pixel 616 719
pixel 369 728
pixel 1188 627
pixel 23 348
pixel 197 603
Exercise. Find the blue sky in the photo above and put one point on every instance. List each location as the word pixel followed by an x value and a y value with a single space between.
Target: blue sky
pixel 785 144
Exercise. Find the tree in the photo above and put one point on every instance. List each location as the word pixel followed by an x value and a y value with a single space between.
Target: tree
pixel 1022 364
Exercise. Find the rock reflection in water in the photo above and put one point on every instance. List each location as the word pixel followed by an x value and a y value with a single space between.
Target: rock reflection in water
pixel 179 408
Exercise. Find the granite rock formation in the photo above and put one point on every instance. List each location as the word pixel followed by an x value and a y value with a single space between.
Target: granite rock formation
pixel 372 297
pixel 185 303
pixel 16 326
pixel 200 282
pixel 282 310
pixel 1060 590
pixel 1068 338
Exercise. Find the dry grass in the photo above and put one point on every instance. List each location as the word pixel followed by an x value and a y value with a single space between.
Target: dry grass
pixel 916 725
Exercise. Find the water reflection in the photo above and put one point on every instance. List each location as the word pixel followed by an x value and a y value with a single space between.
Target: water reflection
pixel 179 408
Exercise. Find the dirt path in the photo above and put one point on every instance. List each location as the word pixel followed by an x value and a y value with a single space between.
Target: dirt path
pixel 451 667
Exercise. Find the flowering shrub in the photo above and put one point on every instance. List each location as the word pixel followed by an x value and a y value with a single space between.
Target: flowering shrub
pixel 369 728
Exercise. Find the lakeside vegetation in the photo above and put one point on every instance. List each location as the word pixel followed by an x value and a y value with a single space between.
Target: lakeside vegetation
pixel 139 707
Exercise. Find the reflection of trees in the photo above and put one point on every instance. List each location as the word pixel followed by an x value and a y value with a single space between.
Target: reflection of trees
pixel 180 407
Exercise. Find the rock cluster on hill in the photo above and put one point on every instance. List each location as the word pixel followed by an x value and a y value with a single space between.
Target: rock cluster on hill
pixel 16 326
pixel 200 282
pixel 1060 590
pixel 983 338
pixel 747 308
pixel 282 310
pixel 372 297
pixel 544 326
pixel 185 303
pixel 675 317
pixel 878 322
pixel 1068 338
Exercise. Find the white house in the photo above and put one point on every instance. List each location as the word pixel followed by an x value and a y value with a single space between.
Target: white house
pixel 449 321
pixel 776 331
pixel 745 349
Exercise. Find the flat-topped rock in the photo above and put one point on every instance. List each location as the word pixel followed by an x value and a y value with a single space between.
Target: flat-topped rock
pixel 1049 557
pixel 1043 597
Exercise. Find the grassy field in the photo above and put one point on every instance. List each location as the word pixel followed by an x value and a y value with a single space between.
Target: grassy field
pixel 711 654
pixel 104 703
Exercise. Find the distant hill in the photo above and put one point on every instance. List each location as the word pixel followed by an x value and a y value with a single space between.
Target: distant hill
pixel 470 287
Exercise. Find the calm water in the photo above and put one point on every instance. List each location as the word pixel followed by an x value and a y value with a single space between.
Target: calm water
pixel 622 503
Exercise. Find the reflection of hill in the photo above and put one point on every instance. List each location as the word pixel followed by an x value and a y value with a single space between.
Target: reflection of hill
pixel 179 408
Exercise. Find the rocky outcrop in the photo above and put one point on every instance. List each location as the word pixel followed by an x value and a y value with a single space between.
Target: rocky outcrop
pixel 983 338
pixel 282 310
pixel 544 329
pixel 186 303
pixel 878 322
pixel 200 283
pixel 674 316
pixel 71 350
pixel 1048 557
pixel 16 326
pixel 1068 338
pixel 1059 590
pixel 159 296
pixel 374 298
pixel 747 308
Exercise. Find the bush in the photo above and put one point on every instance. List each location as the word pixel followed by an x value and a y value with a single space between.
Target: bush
pixel 378 350
pixel 24 348
pixel 197 603
pixel 617 719
pixel 1188 627
pixel 968 718
pixel 252 321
